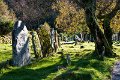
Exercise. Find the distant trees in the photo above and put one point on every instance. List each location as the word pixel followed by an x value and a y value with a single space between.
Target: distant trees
pixel 71 19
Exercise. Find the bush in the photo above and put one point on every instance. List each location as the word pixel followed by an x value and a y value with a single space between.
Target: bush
pixel 6 27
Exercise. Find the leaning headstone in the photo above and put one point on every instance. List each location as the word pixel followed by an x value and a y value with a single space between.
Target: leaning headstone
pixel 20 47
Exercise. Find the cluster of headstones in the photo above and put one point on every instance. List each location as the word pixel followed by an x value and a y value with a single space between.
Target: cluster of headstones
pixel 20 43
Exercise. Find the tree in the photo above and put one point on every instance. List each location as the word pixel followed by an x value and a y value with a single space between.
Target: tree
pixel 100 40
pixel 115 23
pixel 33 12
pixel 70 18
pixel 111 10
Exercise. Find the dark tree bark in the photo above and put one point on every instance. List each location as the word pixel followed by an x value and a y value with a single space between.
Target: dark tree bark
pixel 108 31
pixel 100 39
pixel 106 22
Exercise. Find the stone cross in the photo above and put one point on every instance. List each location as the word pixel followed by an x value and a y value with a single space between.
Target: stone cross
pixel 20 46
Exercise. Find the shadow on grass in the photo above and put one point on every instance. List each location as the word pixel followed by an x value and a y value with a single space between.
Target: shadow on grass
pixel 87 60
pixel 74 76
pixel 24 73
pixel 91 60
pixel 85 68
pixel 29 74
pixel 5 59
pixel 71 75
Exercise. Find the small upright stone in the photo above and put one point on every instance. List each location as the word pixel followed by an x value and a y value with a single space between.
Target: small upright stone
pixel 20 46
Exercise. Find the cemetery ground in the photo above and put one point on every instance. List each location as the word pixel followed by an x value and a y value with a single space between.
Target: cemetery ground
pixel 84 65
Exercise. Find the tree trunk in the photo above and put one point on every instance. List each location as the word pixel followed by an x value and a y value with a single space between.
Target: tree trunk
pixel 100 39
pixel 106 22
pixel 108 31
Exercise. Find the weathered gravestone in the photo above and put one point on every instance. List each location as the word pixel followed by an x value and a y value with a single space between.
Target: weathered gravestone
pixel 52 35
pixel 54 39
pixel 20 47
pixel 44 37
pixel 35 44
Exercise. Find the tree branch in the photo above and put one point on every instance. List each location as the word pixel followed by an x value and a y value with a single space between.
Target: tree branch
pixel 112 13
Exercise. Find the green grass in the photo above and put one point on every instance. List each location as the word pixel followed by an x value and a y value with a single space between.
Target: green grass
pixel 84 65
pixel 5 52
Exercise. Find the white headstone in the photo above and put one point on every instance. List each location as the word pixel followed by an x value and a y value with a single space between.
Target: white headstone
pixel 20 46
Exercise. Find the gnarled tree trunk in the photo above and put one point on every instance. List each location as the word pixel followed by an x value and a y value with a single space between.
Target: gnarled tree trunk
pixel 100 39
pixel 108 31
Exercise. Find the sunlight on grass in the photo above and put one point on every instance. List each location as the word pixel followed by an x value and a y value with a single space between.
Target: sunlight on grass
pixel 5 52
pixel 84 65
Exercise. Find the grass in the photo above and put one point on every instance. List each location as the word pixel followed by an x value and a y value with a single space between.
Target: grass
pixel 84 65
pixel 5 52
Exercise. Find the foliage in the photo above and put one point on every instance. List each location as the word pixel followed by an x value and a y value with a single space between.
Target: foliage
pixel 32 12
pixel 70 18
pixel 104 9
pixel 7 19
pixel 6 27
pixel 115 23
pixel 6 39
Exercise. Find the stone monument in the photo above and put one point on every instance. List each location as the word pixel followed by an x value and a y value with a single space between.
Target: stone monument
pixel 20 46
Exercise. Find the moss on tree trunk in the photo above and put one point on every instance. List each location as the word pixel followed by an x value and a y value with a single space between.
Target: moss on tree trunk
pixel 100 39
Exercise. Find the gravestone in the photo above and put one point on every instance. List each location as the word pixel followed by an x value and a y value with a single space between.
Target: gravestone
pixel 45 40
pixel 52 35
pixel 56 41
pixel 20 47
